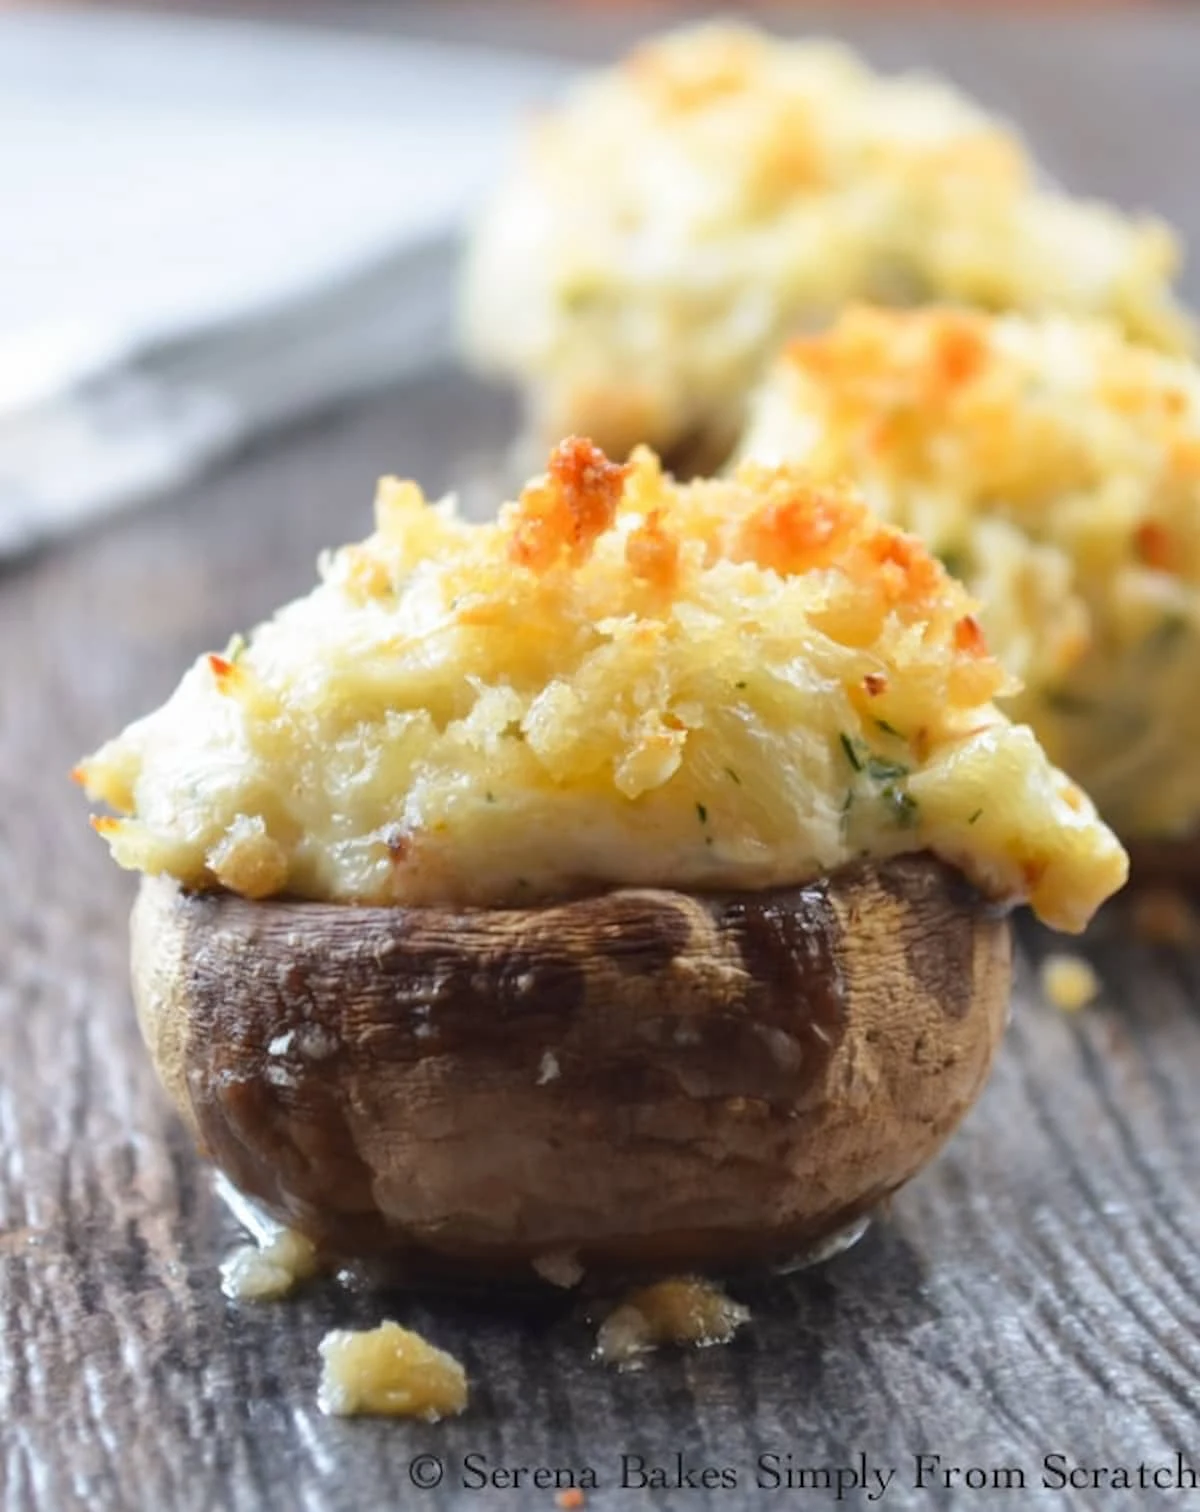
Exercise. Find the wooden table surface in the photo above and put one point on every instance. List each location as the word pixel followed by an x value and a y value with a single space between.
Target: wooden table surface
pixel 1036 1293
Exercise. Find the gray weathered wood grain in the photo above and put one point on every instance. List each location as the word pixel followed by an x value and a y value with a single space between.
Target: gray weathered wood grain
pixel 1037 1291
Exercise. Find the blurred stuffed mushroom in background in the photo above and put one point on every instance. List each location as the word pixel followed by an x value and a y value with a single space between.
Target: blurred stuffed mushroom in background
pixel 681 214
pixel 1055 467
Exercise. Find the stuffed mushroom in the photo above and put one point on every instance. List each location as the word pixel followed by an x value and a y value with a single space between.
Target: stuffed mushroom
pixel 624 880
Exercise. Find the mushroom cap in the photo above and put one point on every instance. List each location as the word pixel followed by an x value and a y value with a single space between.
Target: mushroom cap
pixel 642 1079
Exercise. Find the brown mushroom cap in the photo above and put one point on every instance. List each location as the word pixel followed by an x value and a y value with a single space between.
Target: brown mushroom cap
pixel 647 1079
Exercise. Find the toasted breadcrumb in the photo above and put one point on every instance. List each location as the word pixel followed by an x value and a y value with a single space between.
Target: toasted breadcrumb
pixel 681 1310
pixel 741 683
pixel 1068 982
pixel 389 1371
pixel 569 510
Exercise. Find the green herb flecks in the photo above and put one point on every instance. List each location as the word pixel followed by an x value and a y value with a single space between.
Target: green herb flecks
pixel 883 770
pixel 955 562
pixel 702 813
pixel 889 729
pixel 1169 631
pixel 852 756
pixel 733 776
pixel 974 816
pixel 902 807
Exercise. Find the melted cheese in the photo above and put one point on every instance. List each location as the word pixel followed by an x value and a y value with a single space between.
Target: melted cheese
pixel 680 1310
pixel 731 684
pixel 389 1371
pixel 681 214
pixel 1056 468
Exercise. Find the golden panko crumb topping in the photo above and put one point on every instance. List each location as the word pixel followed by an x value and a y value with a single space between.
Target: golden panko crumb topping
pixel 1055 467
pixel 682 213
pixel 737 683
pixel 681 1310
pixel 389 1371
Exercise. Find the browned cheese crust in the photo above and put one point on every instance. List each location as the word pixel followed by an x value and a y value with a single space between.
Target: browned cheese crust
pixel 649 1079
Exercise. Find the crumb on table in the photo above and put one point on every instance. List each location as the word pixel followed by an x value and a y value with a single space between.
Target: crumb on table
pixel 389 1371
pixel 560 1268
pixel 681 1310
pixel 571 1499
pixel 1068 982
pixel 268 1271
